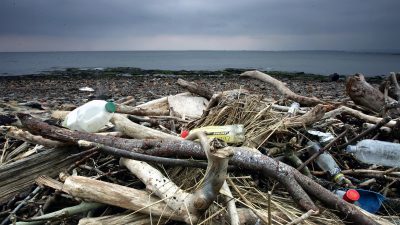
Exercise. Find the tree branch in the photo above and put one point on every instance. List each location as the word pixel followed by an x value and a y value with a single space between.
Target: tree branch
pixel 303 100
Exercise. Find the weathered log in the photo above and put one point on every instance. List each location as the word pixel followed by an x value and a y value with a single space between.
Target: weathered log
pixel 363 94
pixel 303 100
pixel 114 194
pixel 135 130
pixel 28 137
pixel 139 111
pixel 243 157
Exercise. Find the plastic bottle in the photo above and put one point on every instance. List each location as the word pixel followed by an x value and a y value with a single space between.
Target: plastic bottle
pixel 90 117
pixel 326 162
pixel 350 195
pixel 233 134
pixel 376 152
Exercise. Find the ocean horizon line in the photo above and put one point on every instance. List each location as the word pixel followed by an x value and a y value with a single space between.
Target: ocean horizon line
pixel 377 51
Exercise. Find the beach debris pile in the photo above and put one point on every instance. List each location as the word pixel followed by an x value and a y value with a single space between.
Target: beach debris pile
pixel 232 157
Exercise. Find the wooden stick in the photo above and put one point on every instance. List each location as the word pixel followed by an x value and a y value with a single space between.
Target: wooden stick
pixel 142 157
pixel 322 150
pixel 69 211
pixel 195 88
pixel 135 130
pixel 357 114
pixel 19 206
pixel 312 116
pixel 303 100
pixel 245 200
pixel 303 217
pixel 28 137
pixel 231 205
pixel 366 132
pixel 138 111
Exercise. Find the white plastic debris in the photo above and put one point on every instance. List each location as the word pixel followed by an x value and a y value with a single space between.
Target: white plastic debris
pixel 89 89
pixel 187 105
pixel 323 137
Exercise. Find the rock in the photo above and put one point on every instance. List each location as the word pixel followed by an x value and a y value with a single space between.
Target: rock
pixel 334 77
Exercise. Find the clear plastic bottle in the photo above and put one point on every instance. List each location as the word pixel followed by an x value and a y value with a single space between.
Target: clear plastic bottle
pixel 326 162
pixel 233 134
pixel 90 117
pixel 376 152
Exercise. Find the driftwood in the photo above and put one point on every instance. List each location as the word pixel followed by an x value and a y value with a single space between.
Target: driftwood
pixel 393 78
pixel 28 137
pixel 18 176
pixel 81 208
pixel 135 130
pixel 391 82
pixel 124 197
pixel 139 111
pixel 190 206
pixel 312 116
pixel 363 94
pixel 112 194
pixel 357 114
pixel 293 180
pixel 195 88
pixel 281 87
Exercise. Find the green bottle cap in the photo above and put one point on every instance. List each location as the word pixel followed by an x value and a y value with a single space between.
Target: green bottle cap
pixel 110 107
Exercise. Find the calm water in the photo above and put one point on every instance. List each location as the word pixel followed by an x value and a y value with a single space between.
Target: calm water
pixel 318 62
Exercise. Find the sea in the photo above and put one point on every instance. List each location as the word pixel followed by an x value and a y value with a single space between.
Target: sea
pixel 316 62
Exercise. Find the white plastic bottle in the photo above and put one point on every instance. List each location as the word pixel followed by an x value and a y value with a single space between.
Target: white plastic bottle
pixel 376 152
pixel 90 117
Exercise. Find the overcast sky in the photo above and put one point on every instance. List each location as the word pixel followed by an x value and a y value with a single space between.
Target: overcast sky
pixel 52 25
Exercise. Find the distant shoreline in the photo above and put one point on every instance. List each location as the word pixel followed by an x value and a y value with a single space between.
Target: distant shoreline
pixel 102 73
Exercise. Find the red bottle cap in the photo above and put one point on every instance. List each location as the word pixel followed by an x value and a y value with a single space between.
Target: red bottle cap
pixel 351 196
pixel 184 133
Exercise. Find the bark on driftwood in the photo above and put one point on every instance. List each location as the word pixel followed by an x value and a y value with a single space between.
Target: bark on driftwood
pixel 303 100
pixel 363 94
pixel 293 180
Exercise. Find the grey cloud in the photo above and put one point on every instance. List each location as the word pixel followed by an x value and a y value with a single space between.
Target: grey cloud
pixel 377 21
